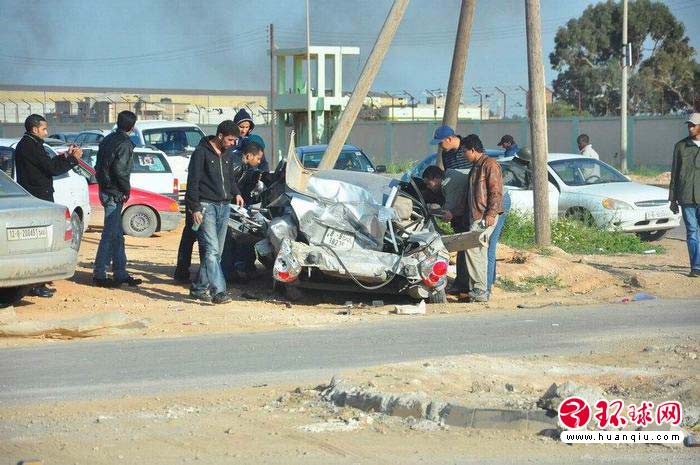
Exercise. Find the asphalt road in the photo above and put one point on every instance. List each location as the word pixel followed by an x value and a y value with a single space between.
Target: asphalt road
pixel 93 369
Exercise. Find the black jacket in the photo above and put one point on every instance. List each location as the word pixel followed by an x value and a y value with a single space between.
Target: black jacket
pixel 35 169
pixel 114 162
pixel 210 177
pixel 243 115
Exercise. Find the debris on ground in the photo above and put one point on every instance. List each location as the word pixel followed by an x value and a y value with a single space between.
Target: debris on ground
pixel 556 394
pixel 410 309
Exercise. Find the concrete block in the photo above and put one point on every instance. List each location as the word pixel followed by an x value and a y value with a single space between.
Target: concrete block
pixel 456 415
pixel 409 405
pixel 500 419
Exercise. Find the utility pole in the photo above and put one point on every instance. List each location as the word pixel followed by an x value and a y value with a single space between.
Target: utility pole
pixel 369 72
pixel 538 121
pixel 273 91
pixel 528 104
pixel 481 103
pixel 309 119
pixel 459 62
pixel 413 105
pixel 504 101
pixel 626 58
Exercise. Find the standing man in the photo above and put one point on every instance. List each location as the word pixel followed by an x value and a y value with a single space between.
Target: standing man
pixel 684 190
pixel 508 143
pixel 113 170
pixel 211 186
pixel 456 168
pixel 485 202
pixel 585 148
pixel 35 170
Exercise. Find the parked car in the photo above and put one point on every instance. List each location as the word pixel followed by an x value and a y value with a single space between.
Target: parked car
pixel 37 243
pixel 71 188
pixel 55 142
pixel 144 214
pixel 177 139
pixel 91 136
pixel 351 158
pixel 66 137
pixel 150 170
pixel 594 192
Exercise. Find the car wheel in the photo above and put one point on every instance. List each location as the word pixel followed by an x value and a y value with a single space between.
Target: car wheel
pixel 139 221
pixel 12 295
pixel 649 236
pixel 77 225
pixel 582 215
pixel 438 297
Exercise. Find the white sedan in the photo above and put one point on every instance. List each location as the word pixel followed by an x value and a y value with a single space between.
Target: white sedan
pixel 592 191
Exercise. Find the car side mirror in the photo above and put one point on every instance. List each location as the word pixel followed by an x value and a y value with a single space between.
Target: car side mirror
pixel 380 168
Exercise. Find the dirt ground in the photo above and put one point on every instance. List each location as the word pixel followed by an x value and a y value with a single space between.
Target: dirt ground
pixel 290 423
pixel 258 307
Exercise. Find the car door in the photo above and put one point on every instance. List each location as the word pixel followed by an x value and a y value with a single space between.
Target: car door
pixel 151 171
pixel 523 199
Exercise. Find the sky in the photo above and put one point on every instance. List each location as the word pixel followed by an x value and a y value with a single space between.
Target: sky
pixel 223 44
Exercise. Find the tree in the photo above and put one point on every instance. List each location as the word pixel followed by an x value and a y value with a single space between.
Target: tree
pixel 563 109
pixel 588 54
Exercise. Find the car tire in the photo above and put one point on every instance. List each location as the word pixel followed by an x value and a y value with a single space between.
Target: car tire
pixel 438 297
pixel 139 221
pixel 76 224
pixel 12 295
pixel 582 215
pixel 650 236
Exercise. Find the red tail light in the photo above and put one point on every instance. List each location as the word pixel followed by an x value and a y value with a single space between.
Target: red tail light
pixel 433 271
pixel 176 186
pixel 68 235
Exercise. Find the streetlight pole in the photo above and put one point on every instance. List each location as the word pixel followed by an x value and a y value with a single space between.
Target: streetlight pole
pixel 504 101
pixel 626 59
pixel 481 103
pixel 309 119
pixel 413 105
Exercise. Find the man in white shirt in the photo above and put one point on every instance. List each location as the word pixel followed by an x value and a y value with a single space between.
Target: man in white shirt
pixel 585 148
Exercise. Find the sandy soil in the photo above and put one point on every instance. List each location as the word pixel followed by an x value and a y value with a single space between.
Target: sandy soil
pixel 258 307
pixel 291 424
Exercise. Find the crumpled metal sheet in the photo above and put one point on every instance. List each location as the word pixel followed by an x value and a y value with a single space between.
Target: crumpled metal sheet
pixel 281 228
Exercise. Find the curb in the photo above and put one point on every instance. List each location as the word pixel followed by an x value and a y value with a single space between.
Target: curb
pixel 419 406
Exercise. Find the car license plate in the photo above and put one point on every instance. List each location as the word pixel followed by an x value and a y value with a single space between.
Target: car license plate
pixel 20 234
pixel 658 213
pixel 338 239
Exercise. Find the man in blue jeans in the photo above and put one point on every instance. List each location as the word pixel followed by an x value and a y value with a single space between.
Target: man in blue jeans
pixel 493 241
pixel 113 170
pixel 684 190
pixel 211 186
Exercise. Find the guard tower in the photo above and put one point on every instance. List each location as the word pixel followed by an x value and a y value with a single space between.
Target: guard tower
pixel 327 101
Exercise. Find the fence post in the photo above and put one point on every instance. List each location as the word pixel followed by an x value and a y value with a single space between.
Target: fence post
pixel 388 145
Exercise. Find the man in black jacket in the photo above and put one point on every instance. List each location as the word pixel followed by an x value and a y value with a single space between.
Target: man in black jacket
pixel 113 169
pixel 211 186
pixel 35 169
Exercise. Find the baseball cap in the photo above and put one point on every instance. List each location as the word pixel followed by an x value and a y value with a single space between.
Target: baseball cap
pixel 693 118
pixel 506 138
pixel 442 133
pixel 257 139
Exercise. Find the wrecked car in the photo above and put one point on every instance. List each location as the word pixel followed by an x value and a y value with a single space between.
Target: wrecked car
pixel 345 231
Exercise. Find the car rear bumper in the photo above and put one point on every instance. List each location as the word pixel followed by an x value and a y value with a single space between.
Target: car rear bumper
pixel 636 221
pixel 169 220
pixel 19 270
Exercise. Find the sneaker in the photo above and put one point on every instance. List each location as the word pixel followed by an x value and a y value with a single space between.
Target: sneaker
pixel 479 295
pixel 694 273
pixel 221 298
pixel 200 295
pixel 130 280
pixel 105 282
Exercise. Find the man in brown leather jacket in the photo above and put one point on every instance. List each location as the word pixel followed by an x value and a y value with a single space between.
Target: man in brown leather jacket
pixel 485 201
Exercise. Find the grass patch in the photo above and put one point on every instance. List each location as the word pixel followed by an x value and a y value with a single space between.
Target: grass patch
pixel 573 237
pixel 529 284
pixel 399 167
pixel 444 226
pixel 648 171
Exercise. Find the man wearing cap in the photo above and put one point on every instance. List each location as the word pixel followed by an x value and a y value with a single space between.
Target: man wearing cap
pixel 518 173
pixel 684 190
pixel 508 143
pixel 455 190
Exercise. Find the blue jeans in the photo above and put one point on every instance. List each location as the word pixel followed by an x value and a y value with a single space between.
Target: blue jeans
pixel 493 242
pixel 211 237
pixel 111 248
pixel 691 218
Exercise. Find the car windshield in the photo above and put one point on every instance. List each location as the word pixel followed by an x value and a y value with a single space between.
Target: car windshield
pixel 349 160
pixel 173 140
pixel 7 160
pixel 585 171
pixel 144 162
pixel 9 188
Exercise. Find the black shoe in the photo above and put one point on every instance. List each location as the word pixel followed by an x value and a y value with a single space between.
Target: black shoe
pixel 221 298
pixel 200 295
pixel 40 291
pixel 105 282
pixel 130 280
pixel 456 290
pixel 182 278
